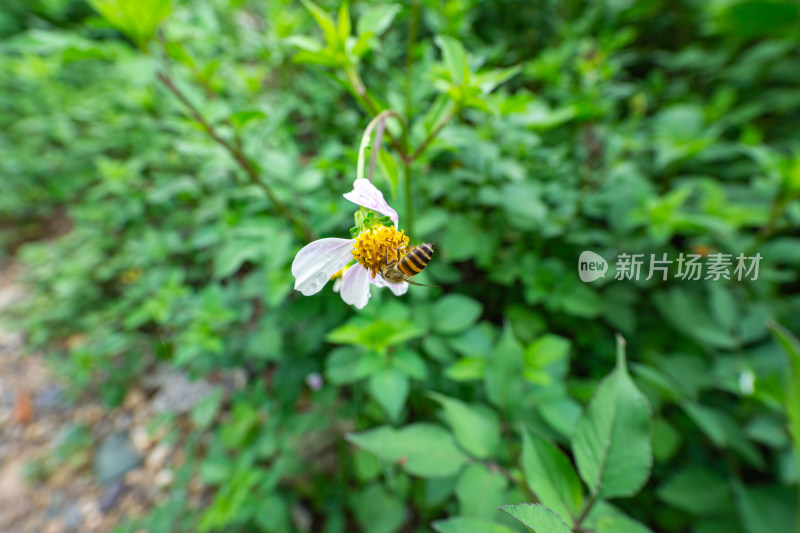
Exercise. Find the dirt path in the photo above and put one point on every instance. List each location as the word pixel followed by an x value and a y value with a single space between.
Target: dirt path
pixel 50 448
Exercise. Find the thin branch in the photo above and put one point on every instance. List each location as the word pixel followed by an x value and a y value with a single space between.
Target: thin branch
pixel 530 496
pixel 238 155
pixel 360 90
pixel 432 135
pixel 586 508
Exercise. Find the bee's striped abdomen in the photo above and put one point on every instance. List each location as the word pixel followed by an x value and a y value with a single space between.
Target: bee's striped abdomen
pixel 416 259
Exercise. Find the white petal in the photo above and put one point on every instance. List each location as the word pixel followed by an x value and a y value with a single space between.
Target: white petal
pixel 367 195
pixel 355 286
pixel 398 289
pixel 316 262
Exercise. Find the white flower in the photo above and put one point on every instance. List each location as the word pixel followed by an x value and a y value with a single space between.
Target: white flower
pixel 314 381
pixel 318 261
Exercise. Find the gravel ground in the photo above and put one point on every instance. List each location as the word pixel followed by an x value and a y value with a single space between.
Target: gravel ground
pixel 50 448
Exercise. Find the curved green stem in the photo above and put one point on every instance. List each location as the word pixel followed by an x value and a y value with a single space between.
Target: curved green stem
pixel 362 96
pixel 365 137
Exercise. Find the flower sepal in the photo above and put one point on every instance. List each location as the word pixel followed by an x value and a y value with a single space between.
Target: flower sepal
pixel 366 219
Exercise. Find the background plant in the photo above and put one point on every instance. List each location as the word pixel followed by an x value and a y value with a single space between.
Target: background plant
pixel 187 151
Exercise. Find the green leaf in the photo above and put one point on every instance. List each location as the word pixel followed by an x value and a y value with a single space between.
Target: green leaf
pixel 389 387
pixel 377 19
pixel 436 113
pixel 723 430
pixel 560 413
pixel 769 431
pixel 304 42
pixel 377 335
pixel 477 341
pixel 344 27
pixel 234 254
pixel 791 344
pixel 503 375
pixel 723 306
pixel 688 316
pixel 206 410
pixel 265 342
pixel 480 492
pixel 709 421
pixel 763 509
pixel 378 511
pixel 455 313
pixel 523 205
pixel 438 491
pixel 241 118
pixel 550 475
pixel 476 430
pixel 138 19
pixel 411 364
pixel 463 524
pixel 542 355
pixel 611 443
pixel 325 23
pixel 455 58
pixel 240 430
pixel 537 517
pixel 546 349
pixel 272 513
pixel 467 369
pixel 753 18
pixel 617 522
pixel 697 491
pixel 666 440
pixel 323 57
pixel 423 450
pixel 488 81
pixel 348 365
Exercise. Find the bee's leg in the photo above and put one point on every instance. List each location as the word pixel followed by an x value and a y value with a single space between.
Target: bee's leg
pixel 419 284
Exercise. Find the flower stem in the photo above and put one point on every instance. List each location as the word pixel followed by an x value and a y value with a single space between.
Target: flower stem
pixel 378 139
pixel 365 137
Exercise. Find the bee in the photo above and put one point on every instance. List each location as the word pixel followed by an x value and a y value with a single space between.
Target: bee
pixel 411 264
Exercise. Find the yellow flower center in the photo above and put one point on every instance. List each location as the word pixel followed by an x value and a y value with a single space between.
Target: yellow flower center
pixel 379 243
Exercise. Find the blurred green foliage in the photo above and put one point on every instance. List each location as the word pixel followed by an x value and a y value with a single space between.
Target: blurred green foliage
pixel 541 129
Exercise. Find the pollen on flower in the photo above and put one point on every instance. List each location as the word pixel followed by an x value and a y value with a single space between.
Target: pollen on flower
pixel 377 243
